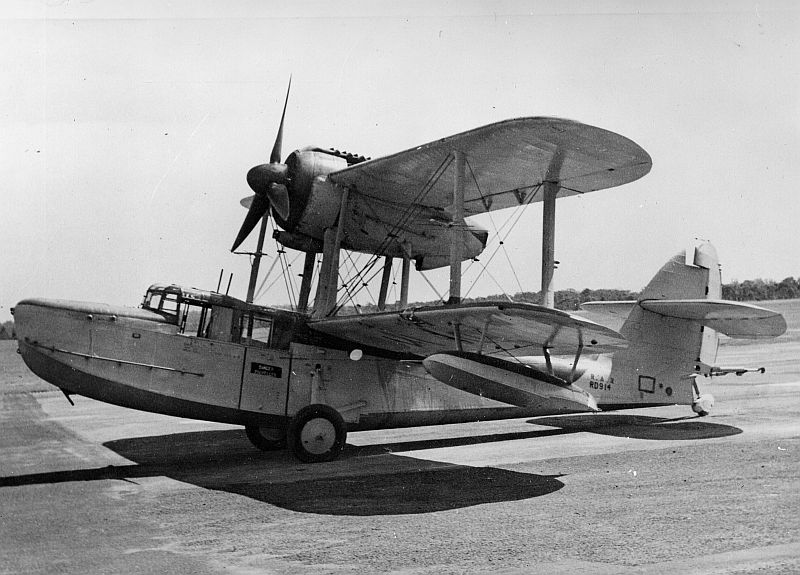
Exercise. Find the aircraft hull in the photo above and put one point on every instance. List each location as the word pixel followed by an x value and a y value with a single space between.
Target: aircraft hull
pixel 124 357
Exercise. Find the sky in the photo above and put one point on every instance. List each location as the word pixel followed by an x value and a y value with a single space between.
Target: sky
pixel 128 128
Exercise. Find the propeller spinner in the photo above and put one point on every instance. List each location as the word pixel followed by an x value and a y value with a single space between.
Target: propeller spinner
pixel 269 182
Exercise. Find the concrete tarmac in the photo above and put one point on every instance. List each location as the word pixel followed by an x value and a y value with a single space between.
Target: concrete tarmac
pixel 100 489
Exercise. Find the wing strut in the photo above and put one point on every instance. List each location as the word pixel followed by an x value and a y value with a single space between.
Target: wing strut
pixel 577 356
pixel 457 229
pixel 387 275
pixel 305 286
pixel 551 189
pixel 328 282
pixel 404 282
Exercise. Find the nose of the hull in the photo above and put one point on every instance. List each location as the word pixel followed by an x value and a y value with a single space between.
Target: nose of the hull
pixel 35 320
pixel 45 328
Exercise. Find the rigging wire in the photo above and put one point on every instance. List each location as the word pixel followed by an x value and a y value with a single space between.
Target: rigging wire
pixel 356 306
pixel 274 281
pixel 287 280
pixel 441 298
pixel 517 212
pixel 358 277
pixel 513 220
pixel 366 282
pixel 258 292
pixel 497 283
pixel 405 217
pixel 346 281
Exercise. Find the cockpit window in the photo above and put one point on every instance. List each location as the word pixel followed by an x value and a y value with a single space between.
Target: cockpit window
pixel 163 302
pixel 169 303
pixel 152 300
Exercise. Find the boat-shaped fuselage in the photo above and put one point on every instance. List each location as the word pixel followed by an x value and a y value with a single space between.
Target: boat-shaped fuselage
pixel 204 355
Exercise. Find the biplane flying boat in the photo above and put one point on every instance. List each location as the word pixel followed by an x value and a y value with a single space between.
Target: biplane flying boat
pixel 306 377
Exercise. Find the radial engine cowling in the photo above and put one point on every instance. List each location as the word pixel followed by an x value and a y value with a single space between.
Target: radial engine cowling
pixel 373 225
pixel 312 200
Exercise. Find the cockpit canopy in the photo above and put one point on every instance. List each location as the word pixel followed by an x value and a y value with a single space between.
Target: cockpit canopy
pixel 199 313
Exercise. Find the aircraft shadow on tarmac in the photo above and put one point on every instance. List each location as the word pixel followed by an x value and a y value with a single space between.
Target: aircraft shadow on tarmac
pixel 364 481
pixel 640 426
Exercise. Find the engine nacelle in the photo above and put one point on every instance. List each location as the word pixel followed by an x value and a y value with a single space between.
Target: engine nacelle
pixel 374 225
pixel 307 168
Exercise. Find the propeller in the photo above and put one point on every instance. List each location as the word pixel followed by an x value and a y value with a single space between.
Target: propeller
pixel 270 183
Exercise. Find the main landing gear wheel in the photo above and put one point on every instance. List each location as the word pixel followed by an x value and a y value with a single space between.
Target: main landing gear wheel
pixel 317 433
pixel 266 438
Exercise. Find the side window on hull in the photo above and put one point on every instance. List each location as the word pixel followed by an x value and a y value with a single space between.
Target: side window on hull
pixel 194 319
pixel 256 331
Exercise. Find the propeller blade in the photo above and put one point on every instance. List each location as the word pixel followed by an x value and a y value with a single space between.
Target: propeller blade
pixel 279 198
pixel 257 210
pixel 275 156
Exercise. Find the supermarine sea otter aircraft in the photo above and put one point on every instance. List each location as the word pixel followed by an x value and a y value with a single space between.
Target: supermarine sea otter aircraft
pixel 304 379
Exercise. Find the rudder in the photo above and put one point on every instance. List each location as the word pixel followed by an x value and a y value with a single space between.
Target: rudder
pixel 664 352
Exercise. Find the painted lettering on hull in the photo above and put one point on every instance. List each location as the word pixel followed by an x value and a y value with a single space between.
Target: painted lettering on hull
pixel 265 369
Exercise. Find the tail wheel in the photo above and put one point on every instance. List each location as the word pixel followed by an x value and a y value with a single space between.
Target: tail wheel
pixel 317 433
pixel 266 438
pixel 702 405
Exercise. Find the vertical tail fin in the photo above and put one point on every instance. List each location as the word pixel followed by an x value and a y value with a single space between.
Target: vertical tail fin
pixel 664 352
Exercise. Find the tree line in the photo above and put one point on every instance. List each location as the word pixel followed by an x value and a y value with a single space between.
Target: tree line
pixel 7 330
pixel 571 300
pixel 760 290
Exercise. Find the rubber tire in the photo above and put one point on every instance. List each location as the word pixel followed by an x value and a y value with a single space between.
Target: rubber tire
pixel 264 443
pixel 315 413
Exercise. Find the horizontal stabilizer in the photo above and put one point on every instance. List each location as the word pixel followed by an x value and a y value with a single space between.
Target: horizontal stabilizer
pixel 734 319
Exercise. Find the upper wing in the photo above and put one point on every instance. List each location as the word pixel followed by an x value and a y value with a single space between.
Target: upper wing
pixel 506 165
pixel 491 328
pixel 734 319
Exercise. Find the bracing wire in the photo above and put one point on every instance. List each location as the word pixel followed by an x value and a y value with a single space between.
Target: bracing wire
pixel 358 277
pixel 274 281
pixel 433 287
pixel 260 291
pixel 513 220
pixel 497 283
pixel 364 283
pixel 405 216
pixel 287 280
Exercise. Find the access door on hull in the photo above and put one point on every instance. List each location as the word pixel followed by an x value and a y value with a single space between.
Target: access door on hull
pixel 265 378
